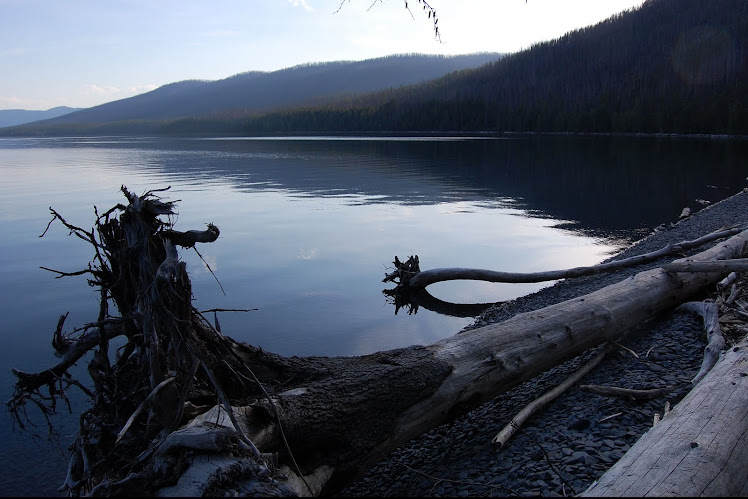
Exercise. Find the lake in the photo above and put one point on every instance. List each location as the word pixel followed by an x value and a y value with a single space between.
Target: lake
pixel 309 226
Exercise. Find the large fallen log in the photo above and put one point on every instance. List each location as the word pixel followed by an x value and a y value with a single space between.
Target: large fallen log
pixel 369 411
pixel 325 418
pixel 700 448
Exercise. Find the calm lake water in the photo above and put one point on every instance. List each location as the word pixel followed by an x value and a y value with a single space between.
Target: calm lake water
pixel 309 227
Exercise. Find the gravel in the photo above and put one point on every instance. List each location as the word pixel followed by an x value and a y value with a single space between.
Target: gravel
pixel 562 450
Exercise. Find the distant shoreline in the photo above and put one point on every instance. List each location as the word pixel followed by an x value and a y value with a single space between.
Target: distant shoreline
pixel 6 133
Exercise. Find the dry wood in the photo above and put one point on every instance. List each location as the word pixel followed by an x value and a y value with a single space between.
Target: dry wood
pixel 140 408
pixel 709 312
pixel 533 407
pixel 627 393
pixel 727 281
pixel 688 265
pixel 343 413
pixel 189 238
pixel 408 274
pixel 626 349
pixel 699 448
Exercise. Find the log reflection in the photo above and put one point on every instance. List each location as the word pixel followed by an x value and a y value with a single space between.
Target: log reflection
pixel 412 300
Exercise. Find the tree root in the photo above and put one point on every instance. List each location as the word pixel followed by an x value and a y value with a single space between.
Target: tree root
pixel 138 398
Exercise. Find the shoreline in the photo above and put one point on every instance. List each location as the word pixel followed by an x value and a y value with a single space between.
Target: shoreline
pixel 575 439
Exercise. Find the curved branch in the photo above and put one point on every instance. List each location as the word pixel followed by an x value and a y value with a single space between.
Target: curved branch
pixel 75 350
pixel 191 237
pixel 716 343
pixel 427 277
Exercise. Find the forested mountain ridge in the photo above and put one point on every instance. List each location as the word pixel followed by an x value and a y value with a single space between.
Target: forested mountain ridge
pixel 257 91
pixel 670 66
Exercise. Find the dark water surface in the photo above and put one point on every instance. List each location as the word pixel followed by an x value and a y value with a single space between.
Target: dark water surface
pixel 309 227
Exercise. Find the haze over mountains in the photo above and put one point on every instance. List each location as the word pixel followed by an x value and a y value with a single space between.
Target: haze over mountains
pixel 11 117
pixel 669 66
pixel 257 91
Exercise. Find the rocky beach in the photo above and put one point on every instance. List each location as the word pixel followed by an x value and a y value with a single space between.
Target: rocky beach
pixel 571 442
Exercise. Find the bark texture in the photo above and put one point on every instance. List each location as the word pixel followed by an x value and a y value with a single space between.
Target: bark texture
pixel 699 449
pixel 158 407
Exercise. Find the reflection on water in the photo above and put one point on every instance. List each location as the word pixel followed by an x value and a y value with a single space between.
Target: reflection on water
pixel 309 228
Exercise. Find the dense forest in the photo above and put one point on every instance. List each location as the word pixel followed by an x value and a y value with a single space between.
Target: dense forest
pixel 669 66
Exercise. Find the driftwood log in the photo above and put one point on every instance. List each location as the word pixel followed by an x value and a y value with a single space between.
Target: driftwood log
pixel 183 409
pixel 700 448
pixel 408 275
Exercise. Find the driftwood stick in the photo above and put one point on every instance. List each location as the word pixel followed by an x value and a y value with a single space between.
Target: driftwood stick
pixel 611 416
pixel 509 430
pixel 626 393
pixel 734 292
pixel 709 312
pixel 734 265
pixel 727 281
pixel 227 407
pixel 427 277
pixel 189 238
pixel 627 349
pixel 141 407
pixel 77 349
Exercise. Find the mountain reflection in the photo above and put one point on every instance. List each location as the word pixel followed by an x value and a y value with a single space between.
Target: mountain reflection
pixel 617 187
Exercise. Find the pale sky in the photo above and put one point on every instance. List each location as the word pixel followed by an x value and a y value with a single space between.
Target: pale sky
pixel 81 53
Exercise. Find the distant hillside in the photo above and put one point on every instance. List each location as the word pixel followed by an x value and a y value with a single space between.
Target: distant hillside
pixel 669 66
pixel 264 91
pixel 12 117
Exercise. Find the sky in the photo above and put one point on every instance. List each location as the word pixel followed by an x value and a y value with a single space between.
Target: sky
pixel 82 53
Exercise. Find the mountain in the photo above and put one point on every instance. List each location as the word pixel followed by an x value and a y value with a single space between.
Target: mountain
pixel 12 117
pixel 668 66
pixel 263 91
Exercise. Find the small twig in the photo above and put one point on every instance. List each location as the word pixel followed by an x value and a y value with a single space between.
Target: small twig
pixel 549 461
pixel 210 270
pixel 67 274
pixel 430 13
pixel 141 407
pixel 228 310
pixel 277 418
pixel 227 406
pixel 627 393
pixel 626 349
pixel 610 417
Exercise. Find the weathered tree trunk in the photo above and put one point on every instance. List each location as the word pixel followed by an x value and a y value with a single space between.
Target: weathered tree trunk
pixel 699 449
pixel 330 418
pixel 368 406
